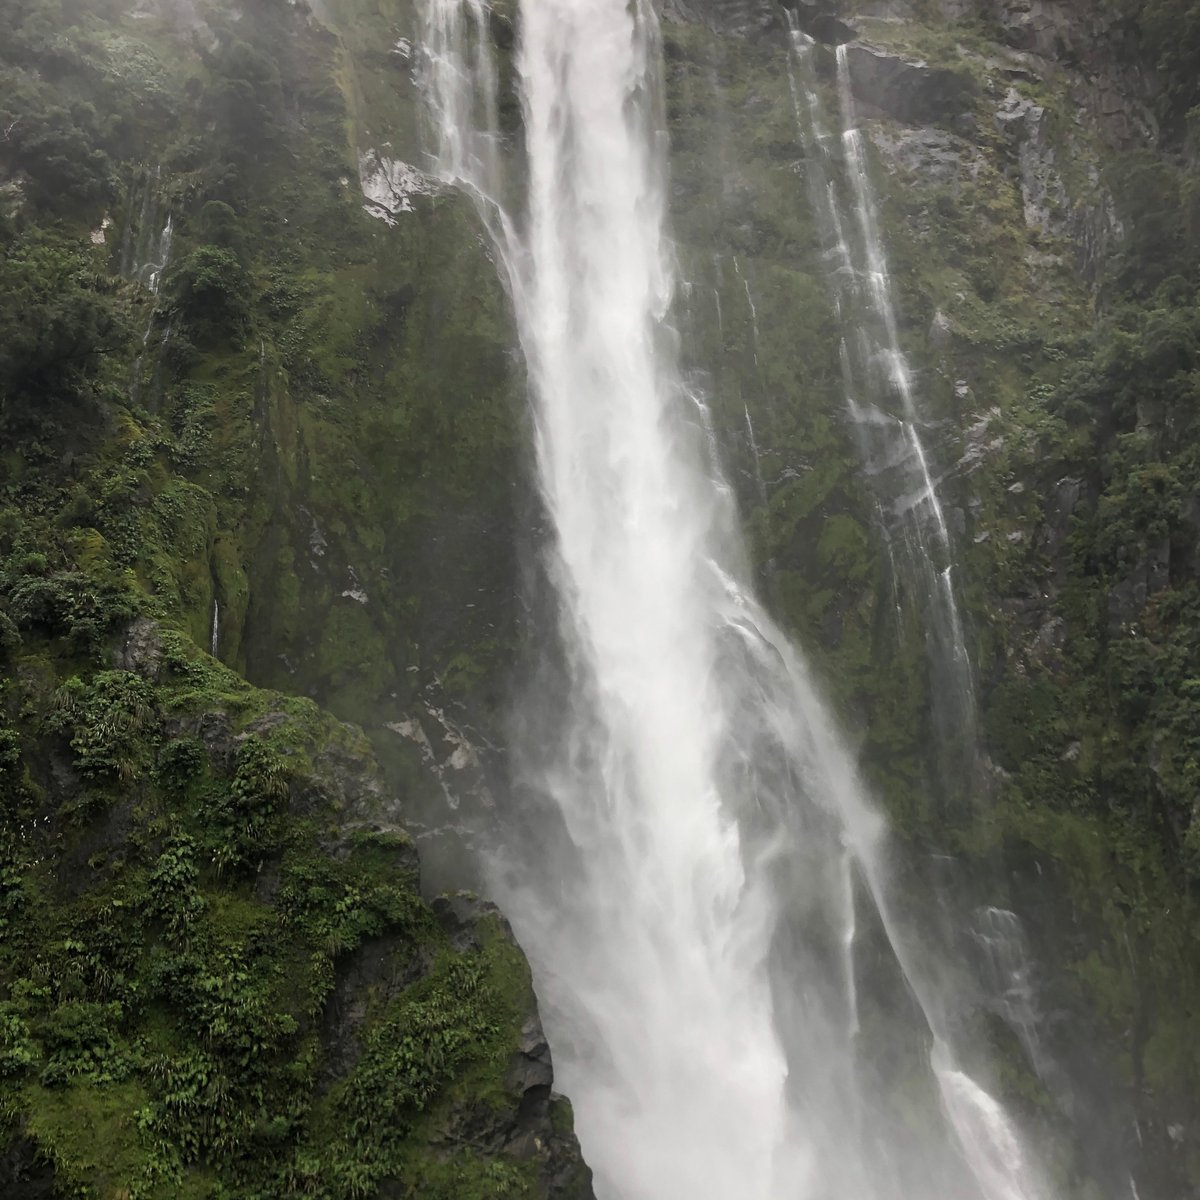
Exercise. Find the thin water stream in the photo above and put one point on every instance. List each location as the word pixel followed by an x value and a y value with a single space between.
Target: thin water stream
pixel 881 399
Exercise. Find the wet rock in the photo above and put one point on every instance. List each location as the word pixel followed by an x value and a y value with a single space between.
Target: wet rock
pixel 12 196
pixel 349 782
pixel 1087 219
pixel 215 730
pixel 932 155
pixel 979 442
pixel 1150 575
pixel 909 90
pixel 739 17
pixel 1189 519
pixel 941 332
pixel 539 1130
pixel 141 649
pixel 822 26
pixel 373 975
pixel 459 915
pixel 531 1066
pixel 1052 636
pixel 389 185
pixel 1043 193
pixel 1096 45
pixel 24 1175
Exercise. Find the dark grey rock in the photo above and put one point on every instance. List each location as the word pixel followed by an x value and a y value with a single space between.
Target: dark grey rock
pixel 23 1174
pixel 738 17
pixel 1150 575
pixel 910 91
pixel 141 649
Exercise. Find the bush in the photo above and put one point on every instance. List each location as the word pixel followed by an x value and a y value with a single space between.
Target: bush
pixel 211 291
pixel 69 604
pixel 59 318
pixel 109 723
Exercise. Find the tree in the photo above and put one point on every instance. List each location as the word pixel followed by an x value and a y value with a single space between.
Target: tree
pixel 59 317
pixel 211 291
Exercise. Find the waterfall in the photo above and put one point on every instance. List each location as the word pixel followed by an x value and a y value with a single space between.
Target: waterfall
pixel 880 396
pixel 162 256
pixel 146 248
pixel 695 867
pixel 147 260
pixel 1001 939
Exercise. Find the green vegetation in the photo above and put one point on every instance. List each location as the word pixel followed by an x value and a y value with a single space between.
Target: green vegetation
pixel 1056 365
pixel 217 975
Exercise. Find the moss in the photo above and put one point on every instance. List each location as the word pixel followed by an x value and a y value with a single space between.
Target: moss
pixel 90 1133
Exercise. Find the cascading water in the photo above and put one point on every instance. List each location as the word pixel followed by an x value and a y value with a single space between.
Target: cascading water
pixel 879 390
pixel 162 256
pixel 146 255
pixel 703 868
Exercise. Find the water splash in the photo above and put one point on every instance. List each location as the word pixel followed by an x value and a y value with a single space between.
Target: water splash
pixel 695 863
pixel 997 1159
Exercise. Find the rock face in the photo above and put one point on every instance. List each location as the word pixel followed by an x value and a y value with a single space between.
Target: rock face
pixel 339 473
pixel 539 1132
pixel 1024 187
pixel 252 993
pixel 1093 41
pixel 912 92
pixel 735 17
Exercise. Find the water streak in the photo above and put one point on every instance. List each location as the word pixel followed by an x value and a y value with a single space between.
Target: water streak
pixel 755 456
pixel 881 398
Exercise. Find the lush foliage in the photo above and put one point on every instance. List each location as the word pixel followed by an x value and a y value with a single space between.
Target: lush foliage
pixel 217 976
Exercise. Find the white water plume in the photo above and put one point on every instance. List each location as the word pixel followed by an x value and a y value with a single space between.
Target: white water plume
pixel 695 884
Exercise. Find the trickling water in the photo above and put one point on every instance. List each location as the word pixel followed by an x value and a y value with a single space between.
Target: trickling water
pixel 146 258
pixel 138 230
pixel 691 892
pixel 215 636
pixel 162 256
pixel 880 394
pixel 751 306
pixel 1001 938
pixel 145 247
pixel 756 458
pixel 139 363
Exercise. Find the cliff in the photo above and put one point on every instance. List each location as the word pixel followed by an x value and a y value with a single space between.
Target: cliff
pixel 265 449
pixel 230 442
